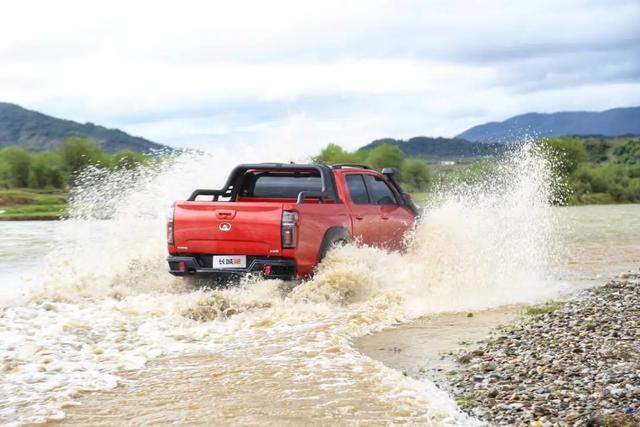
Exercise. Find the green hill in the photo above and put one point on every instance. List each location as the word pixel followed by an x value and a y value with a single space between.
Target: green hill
pixel 35 131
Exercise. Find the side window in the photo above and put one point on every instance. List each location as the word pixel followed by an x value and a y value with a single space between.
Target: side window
pixel 379 191
pixel 357 189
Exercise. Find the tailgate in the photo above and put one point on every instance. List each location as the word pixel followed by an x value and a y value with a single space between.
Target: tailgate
pixel 242 228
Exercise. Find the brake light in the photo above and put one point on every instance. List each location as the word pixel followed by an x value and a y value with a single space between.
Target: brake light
pixel 170 239
pixel 289 229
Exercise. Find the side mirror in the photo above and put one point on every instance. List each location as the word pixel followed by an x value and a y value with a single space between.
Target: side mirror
pixel 389 172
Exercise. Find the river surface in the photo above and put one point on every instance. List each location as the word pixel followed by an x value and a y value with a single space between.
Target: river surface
pixel 126 343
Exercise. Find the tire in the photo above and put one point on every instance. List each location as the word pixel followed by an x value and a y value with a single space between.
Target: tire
pixel 335 236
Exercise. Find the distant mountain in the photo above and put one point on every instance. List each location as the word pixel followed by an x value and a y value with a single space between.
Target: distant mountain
pixel 440 148
pixel 38 132
pixel 615 122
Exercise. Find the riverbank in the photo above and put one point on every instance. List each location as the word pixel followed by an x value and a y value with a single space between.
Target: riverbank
pixel 26 204
pixel 571 363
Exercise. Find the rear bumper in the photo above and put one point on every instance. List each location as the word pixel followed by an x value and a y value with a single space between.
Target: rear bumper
pixel 200 266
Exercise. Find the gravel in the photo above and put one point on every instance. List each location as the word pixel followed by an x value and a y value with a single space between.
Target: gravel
pixel 575 363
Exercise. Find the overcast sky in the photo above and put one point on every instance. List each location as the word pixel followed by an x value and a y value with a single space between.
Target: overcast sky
pixel 196 74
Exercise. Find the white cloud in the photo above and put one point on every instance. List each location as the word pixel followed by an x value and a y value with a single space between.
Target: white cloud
pixel 200 72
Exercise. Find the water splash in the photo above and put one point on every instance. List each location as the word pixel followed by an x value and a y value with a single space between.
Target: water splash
pixel 111 306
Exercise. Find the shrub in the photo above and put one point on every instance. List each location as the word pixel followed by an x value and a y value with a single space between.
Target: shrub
pixel 16 165
pixel 79 152
pixel 46 170
pixel 415 174
pixel 127 159
pixel 629 152
pixel 566 153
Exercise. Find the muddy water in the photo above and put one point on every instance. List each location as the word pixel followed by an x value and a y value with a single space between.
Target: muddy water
pixel 23 247
pixel 417 348
pixel 97 332
pixel 596 243
pixel 285 364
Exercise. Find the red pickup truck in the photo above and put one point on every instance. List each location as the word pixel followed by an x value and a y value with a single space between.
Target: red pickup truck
pixel 279 220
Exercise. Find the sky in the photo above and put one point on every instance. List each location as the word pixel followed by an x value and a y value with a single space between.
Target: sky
pixel 205 73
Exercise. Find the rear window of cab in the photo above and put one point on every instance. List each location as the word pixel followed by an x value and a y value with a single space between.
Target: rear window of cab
pixel 285 185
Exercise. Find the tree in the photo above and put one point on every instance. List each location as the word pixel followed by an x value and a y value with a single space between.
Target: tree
pixel 17 162
pixel 79 152
pixel 566 153
pixel 46 170
pixel 385 156
pixel 415 174
pixel 333 154
pixel 629 152
pixel 6 179
pixel 127 159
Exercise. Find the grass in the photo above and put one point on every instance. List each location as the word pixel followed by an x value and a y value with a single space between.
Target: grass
pixel 467 400
pixel 32 204
pixel 538 310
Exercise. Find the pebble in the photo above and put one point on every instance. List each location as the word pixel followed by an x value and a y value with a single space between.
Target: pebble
pixel 577 365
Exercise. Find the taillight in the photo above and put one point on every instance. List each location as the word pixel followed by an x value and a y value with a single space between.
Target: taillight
pixel 289 229
pixel 170 226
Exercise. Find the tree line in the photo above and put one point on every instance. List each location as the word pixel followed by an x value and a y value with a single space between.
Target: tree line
pixel 414 173
pixel 56 169
pixel 589 170
pixel 596 172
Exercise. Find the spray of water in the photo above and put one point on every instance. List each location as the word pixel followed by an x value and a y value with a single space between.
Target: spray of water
pixel 106 302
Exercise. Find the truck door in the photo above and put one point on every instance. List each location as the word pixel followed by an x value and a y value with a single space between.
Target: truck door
pixel 365 216
pixel 394 219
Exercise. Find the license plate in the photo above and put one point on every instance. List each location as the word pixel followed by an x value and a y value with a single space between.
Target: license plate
pixel 229 261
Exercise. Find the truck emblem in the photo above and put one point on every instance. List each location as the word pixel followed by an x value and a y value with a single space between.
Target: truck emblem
pixel 224 226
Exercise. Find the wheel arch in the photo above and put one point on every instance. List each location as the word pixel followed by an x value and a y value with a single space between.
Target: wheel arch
pixel 332 235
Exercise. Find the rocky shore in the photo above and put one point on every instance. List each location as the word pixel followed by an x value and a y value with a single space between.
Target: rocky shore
pixel 575 363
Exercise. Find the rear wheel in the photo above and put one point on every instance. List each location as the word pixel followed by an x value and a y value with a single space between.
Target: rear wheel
pixel 333 238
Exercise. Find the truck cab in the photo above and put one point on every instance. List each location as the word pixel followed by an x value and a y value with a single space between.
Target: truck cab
pixel 279 220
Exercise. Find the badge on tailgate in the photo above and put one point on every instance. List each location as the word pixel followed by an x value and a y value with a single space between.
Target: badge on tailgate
pixel 225 214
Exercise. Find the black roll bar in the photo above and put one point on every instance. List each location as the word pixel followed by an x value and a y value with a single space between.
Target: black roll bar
pixel 230 189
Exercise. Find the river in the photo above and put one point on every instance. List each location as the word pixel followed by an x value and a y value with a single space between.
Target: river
pixel 94 330
pixel 274 359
